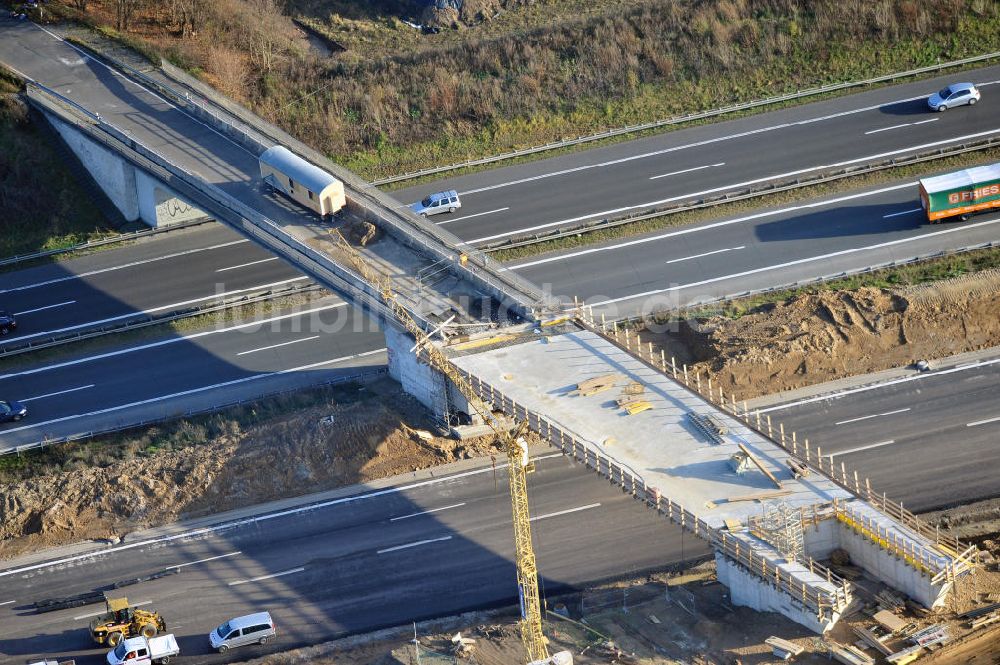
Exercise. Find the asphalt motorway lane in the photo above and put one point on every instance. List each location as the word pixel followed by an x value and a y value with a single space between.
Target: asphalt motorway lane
pixel 172 375
pixel 158 275
pixel 441 547
pixel 931 440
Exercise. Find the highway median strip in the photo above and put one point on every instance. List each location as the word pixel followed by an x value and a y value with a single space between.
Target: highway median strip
pixel 689 210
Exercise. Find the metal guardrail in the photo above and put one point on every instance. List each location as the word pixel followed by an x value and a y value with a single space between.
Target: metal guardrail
pixel 249 130
pixel 108 240
pixel 921 558
pixel 146 320
pixel 632 129
pixel 756 191
pixel 831 277
pixel 359 377
pixel 234 212
pixel 818 599
pixel 431 240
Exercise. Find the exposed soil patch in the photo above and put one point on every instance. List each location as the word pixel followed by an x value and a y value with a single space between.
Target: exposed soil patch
pixel 828 335
pixel 376 433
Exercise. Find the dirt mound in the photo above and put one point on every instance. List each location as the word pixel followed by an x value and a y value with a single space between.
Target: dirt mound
pixel 828 335
pixel 340 442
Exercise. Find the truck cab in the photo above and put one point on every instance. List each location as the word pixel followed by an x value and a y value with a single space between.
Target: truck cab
pixel 143 651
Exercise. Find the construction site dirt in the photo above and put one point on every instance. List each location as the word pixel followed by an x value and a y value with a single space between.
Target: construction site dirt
pixel 809 339
pixel 658 620
pixel 827 335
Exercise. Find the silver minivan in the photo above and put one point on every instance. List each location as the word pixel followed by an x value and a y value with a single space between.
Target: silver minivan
pixel 250 629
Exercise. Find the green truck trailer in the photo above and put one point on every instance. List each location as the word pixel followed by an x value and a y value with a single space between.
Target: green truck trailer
pixel 961 193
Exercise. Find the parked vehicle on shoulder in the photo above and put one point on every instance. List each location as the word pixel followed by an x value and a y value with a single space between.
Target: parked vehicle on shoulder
pixel 250 629
pixel 144 651
pixel 438 202
pixel 8 323
pixel 956 94
pixel 12 411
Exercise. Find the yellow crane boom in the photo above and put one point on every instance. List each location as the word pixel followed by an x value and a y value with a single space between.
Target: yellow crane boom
pixel 513 443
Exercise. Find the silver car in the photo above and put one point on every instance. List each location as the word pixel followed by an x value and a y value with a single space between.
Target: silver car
pixel 250 629
pixel 956 94
pixel 438 202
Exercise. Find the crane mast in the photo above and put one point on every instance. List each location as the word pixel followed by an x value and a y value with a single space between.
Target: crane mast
pixel 513 444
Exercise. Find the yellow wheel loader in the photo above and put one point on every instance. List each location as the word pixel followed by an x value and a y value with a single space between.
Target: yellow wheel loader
pixel 121 621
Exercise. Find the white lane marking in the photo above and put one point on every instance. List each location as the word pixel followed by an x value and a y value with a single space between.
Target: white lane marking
pixel 983 422
pixel 290 571
pixel 905 124
pixel 885 129
pixel 39 309
pixel 7 602
pixel 133 264
pixel 425 512
pixel 821 257
pixel 478 214
pixel 874 415
pixel 153 310
pixel 690 195
pixel 860 448
pixel 696 144
pixel 884 384
pixel 193 391
pixel 274 346
pixel 172 340
pixel 905 212
pixel 698 256
pixel 416 544
pixel 564 512
pixel 400 489
pixel 99 613
pixel 211 558
pixel 696 168
pixel 61 392
pixel 713 225
pixel 244 265
pixel 124 78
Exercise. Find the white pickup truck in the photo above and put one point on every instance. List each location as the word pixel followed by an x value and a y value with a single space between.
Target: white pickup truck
pixel 144 651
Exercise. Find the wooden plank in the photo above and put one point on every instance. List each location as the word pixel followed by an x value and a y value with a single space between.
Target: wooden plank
pixel 759 496
pixel 784 645
pixel 870 639
pixel 760 465
pixel 637 406
pixel 596 385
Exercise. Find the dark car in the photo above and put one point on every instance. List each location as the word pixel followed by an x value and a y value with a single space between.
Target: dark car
pixel 7 322
pixel 12 411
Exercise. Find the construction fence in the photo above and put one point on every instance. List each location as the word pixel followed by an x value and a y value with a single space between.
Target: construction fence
pixel 962 557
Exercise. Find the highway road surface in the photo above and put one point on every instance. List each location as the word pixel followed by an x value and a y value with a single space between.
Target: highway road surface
pixel 689 265
pixel 383 558
pixel 930 439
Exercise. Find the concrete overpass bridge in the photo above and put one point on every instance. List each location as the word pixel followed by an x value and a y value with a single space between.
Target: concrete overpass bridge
pixel 158 141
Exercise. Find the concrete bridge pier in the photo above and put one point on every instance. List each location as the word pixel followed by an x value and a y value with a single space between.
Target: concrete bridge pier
pixel 135 193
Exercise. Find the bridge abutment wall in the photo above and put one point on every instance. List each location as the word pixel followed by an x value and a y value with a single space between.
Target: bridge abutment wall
pixel 135 193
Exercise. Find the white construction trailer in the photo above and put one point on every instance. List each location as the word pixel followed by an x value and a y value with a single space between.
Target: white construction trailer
pixel 284 171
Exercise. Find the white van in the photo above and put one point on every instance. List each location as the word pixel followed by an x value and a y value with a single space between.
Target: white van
pixel 250 629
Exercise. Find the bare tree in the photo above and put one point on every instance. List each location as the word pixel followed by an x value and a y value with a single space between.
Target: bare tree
pixel 80 4
pixel 189 14
pixel 124 11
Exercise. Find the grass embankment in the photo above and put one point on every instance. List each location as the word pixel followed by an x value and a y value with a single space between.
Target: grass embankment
pixel 509 75
pixel 115 449
pixel 756 204
pixel 43 206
